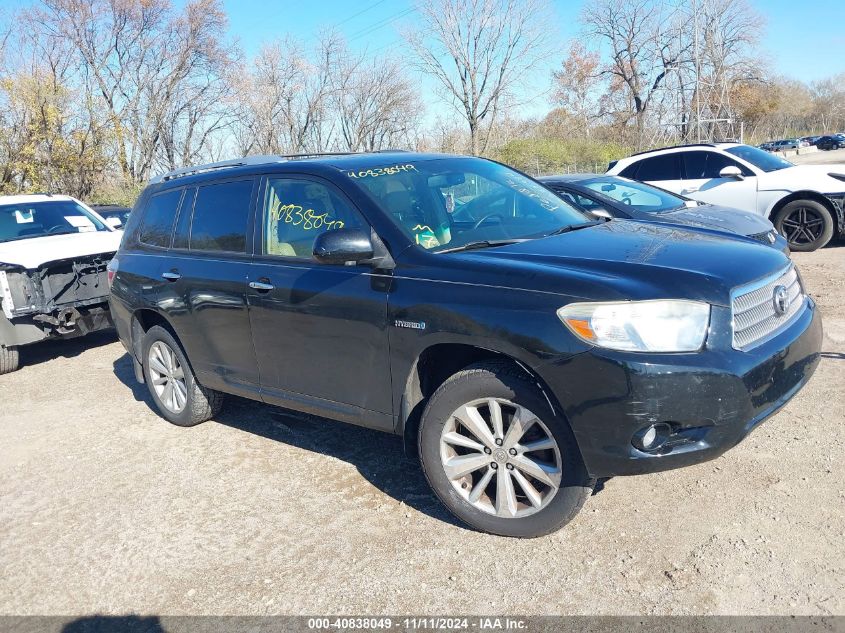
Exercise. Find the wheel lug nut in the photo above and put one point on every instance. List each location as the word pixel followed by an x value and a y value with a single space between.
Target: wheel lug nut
pixel 498 442
pixel 510 466
pixel 487 450
pixel 494 465
pixel 512 451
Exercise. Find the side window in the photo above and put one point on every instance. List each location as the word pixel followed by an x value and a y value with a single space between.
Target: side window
pixel 297 211
pixel 221 215
pixel 631 171
pixel 159 215
pixel 182 233
pixel 706 165
pixel 663 167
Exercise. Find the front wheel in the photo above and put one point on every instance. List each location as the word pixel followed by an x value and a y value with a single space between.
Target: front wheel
pixel 806 224
pixel 178 396
pixel 498 457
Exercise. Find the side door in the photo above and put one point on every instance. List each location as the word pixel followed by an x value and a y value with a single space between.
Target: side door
pixel 702 180
pixel 205 282
pixel 319 330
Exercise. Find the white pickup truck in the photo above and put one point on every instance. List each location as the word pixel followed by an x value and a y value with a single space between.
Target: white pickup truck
pixel 53 280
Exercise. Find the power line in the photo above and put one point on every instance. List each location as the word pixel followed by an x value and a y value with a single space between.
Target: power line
pixel 361 12
pixel 381 24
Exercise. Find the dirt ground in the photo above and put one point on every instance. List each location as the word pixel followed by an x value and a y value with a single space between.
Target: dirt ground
pixel 105 508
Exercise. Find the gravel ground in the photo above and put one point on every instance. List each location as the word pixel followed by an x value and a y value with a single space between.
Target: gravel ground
pixel 106 508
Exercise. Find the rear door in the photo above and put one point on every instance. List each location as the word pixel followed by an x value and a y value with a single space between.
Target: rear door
pixel 205 281
pixel 703 182
pixel 319 330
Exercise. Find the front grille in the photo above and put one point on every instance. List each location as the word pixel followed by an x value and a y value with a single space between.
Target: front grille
pixel 765 237
pixel 755 317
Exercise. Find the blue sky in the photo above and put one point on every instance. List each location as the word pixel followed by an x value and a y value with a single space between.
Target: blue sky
pixel 803 39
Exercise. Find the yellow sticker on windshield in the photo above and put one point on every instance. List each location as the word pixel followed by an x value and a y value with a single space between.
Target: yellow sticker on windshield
pixel 381 171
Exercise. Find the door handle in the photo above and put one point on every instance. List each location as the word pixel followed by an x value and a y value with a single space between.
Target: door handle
pixel 262 285
pixel 171 276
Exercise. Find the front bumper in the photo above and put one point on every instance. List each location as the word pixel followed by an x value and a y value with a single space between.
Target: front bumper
pixel 838 202
pixel 69 322
pixel 711 399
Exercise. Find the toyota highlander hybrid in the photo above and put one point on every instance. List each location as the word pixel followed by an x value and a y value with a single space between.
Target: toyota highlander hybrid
pixel 523 353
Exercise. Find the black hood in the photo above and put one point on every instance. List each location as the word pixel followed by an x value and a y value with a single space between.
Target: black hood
pixel 632 260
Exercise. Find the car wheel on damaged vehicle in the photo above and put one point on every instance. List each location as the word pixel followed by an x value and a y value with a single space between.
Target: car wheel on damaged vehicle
pixel 9 359
pixel 177 394
pixel 806 224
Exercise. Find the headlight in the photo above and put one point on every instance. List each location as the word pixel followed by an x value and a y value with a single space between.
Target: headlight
pixel 640 326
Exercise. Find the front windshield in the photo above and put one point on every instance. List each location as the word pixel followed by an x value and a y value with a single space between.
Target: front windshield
pixel 637 195
pixel 53 217
pixel 759 158
pixel 449 202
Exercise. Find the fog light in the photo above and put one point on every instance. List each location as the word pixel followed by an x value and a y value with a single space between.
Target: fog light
pixel 652 437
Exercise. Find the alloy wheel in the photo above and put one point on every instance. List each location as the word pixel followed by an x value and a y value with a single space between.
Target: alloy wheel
pixel 500 458
pixel 167 377
pixel 803 225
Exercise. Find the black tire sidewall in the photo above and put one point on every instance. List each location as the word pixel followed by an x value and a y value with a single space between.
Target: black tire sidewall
pixel 823 211
pixel 184 417
pixel 459 390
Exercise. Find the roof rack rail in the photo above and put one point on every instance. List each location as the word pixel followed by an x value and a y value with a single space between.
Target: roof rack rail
pixel 223 164
pixel 262 159
pixel 660 149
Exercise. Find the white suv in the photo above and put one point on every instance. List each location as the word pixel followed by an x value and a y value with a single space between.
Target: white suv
pixel 804 202
pixel 53 279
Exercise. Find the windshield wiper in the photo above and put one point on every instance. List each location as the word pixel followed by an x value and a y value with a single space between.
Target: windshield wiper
pixel 575 227
pixel 469 246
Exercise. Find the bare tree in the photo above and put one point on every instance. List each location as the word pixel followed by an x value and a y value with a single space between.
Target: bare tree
pixel 479 51
pixel 283 101
pixel 376 104
pixel 140 58
pixel 642 37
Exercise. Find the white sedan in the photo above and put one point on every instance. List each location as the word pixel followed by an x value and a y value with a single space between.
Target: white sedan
pixel 804 202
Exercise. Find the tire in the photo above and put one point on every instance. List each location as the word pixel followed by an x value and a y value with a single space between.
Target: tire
pixel 474 497
pixel 10 359
pixel 806 224
pixel 187 403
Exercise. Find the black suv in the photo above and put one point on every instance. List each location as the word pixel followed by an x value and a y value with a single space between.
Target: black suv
pixel 523 353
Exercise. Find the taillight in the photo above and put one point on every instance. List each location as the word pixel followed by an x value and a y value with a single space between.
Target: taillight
pixel 111 269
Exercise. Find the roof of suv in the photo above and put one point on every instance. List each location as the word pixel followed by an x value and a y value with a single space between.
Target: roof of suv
pixel 341 161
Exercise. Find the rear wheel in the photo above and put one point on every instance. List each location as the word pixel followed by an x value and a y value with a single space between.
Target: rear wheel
pixel 806 224
pixel 9 359
pixel 498 457
pixel 178 396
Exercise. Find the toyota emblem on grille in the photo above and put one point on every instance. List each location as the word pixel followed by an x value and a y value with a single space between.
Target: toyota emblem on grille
pixel 781 300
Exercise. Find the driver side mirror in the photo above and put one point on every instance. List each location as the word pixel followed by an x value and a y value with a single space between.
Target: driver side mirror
pixel 731 171
pixel 340 246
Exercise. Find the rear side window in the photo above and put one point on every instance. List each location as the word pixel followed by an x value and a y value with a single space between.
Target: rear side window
pixel 663 167
pixel 221 215
pixel 706 165
pixel 157 224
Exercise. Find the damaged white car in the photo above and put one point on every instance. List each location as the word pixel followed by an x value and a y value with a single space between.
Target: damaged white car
pixel 53 280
